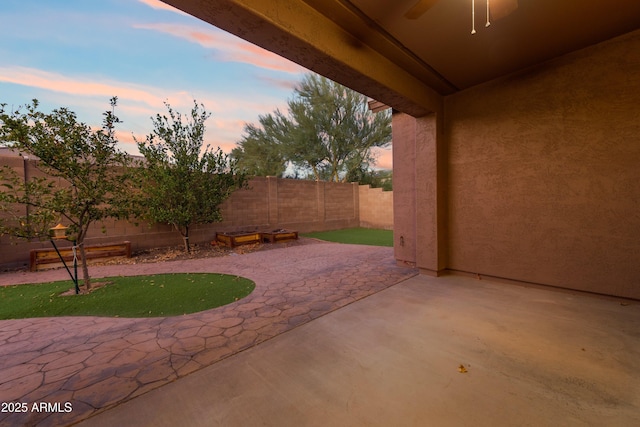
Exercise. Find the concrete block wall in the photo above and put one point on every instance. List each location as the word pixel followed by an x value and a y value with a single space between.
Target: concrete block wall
pixel 17 165
pixel 271 203
pixel 248 206
pixel 268 203
pixel 299 202
pixel 376 207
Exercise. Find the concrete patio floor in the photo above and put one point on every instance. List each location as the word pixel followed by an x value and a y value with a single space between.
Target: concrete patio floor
pixel 533 357
pixel 307 348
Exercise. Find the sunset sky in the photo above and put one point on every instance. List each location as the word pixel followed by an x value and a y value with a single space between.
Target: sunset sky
pixel 79 53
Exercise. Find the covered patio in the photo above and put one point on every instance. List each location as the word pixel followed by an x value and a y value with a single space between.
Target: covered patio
pixel 515 144
pixel 451 351
pixel 333 334
pixel 516 153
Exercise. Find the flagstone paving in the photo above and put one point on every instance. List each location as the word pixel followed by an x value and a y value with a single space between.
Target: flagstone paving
pixel 79 365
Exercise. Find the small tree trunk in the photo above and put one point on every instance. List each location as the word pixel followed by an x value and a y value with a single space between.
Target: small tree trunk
pixel 79 242
pixel 185 237
pixel 85 268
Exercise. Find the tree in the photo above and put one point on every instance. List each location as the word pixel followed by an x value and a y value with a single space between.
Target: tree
pixel 184 183
pixel 18 216
pixel 375 178
pixel 328 130
pixel 86 178
pixel 260 151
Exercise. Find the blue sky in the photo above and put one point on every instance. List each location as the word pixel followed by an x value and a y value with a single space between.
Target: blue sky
pixel 79 53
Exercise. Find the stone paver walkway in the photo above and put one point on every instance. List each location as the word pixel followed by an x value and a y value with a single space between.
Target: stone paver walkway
pixel 80 365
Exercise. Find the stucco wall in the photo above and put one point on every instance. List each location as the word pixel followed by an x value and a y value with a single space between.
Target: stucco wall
pixel 404 191
pixel 544 173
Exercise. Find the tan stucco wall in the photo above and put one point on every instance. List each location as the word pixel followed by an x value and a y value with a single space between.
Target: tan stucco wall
pixel 544 173
pixel 420 192
pixel 404 191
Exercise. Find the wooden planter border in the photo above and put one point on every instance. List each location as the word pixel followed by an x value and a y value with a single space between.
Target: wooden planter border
pixel 41 259
pixel 234 239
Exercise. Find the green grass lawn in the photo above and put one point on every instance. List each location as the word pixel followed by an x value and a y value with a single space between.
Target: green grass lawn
pixel 356 236
pixel 135 296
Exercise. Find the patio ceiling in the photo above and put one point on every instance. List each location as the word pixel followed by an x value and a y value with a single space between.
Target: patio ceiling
pixel 367 44
pixel 522 33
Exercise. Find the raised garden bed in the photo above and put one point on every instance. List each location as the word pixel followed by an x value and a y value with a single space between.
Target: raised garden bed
pixel 236 238
pixel 280 235
pixel 42 259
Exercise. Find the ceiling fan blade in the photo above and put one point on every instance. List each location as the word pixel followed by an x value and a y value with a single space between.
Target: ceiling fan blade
pixel 419 9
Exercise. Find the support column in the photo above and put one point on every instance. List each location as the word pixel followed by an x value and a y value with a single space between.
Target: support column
pixel 419 192
pixel 404 188
pixel 431 192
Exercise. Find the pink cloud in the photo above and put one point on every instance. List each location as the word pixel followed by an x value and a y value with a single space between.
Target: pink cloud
pixel 213 137
pixel 229 125
pixel 227 47
pixel 75 86
pixel 226 147
pixel 132 98
pixel 280 83
pixel 157 4
pixel 127 143
pixel 138 103
pixel 384 158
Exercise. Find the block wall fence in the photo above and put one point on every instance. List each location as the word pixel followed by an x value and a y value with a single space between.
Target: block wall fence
pixel 268 203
